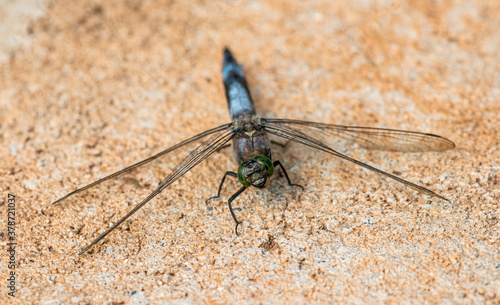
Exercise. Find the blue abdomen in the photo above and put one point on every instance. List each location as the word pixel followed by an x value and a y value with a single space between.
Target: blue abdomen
pixel 237 94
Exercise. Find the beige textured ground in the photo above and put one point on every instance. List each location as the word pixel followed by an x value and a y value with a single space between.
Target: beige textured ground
pixel 99 86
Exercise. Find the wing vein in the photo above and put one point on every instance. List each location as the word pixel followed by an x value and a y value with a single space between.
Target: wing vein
pixel 300 137
pixel 370 137
pixel 145 161
pixel 194 158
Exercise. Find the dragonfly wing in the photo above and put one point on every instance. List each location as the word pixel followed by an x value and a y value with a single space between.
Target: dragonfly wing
pixel 370 138
pixel 127 169
pixel 287 132
pixel 203 151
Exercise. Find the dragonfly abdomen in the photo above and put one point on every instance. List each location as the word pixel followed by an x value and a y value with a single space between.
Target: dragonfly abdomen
pixel 237 93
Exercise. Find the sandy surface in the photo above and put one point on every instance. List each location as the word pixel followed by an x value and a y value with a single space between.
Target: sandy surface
pixel 100 86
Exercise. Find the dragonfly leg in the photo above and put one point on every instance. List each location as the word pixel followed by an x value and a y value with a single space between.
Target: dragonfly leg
pixel 278 163
pixel 232 174
pixel 231 208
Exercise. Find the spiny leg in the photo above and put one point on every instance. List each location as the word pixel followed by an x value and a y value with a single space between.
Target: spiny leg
pixel 278 163
pixel 232 174
pixel 231 208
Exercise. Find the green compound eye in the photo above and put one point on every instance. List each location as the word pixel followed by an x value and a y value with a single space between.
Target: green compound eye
pixel 268 165
pixel 241 174
pixel 255 171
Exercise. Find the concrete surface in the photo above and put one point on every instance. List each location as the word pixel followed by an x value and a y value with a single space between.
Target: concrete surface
pixel 98 86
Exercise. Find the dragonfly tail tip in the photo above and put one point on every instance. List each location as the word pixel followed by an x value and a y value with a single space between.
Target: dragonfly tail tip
pixel 228 56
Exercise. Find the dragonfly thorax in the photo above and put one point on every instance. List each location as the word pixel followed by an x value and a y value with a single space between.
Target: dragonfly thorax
pixel 250 141
pixel 256 171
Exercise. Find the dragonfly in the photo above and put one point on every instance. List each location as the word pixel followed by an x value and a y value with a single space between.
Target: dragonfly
pixel 248 135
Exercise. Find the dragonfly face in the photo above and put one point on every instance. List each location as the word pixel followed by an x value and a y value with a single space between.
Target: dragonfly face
pixel 256 171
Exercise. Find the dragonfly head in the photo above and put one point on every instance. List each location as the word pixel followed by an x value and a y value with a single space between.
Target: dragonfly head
pixel 256 171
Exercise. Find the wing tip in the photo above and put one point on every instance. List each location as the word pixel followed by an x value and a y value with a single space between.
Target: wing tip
pixel 60 199
pixel 446 144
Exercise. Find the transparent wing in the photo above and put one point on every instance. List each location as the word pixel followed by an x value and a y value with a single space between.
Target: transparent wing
pixel 147 161
pixel 219 139
pixel 285 130
pixel 368 137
